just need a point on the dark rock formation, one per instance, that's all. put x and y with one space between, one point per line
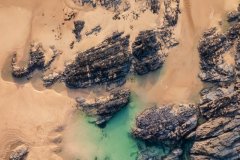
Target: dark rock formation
103 108
105 64
234 16
36 61
19 153
212 47
219 136
78 27
171 12
145 52
166 123
219 102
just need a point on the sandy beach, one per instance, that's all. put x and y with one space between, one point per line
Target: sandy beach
37 116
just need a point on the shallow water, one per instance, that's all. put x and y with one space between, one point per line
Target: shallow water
114 142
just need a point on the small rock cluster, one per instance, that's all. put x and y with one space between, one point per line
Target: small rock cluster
19 153
104 107
36 61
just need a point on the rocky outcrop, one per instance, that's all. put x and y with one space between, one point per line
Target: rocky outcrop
219 136
78 27
36 61
165 123
145 52
104 107
219 102
19 153
104 64
212 47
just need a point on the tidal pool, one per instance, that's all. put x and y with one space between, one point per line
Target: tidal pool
114 142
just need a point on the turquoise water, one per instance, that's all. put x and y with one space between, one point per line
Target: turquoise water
114 142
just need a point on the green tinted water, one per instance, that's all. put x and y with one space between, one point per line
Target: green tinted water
114 142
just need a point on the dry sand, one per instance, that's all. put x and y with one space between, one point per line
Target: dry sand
36 117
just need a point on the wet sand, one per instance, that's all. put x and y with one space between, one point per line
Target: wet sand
36 116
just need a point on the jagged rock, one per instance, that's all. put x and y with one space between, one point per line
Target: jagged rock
19 153
78 27
174 155
36 61
222 101
171 12
219 136
145 52
212 47
165 123
104 107
105 64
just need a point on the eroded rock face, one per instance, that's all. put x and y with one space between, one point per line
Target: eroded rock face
212 47
19 153
145 52
165 123
104 107
104 64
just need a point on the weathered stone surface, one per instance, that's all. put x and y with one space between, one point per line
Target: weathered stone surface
166 123
212 47
78 27
219 102
145 52
36 61
19 153
104 107
104 64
